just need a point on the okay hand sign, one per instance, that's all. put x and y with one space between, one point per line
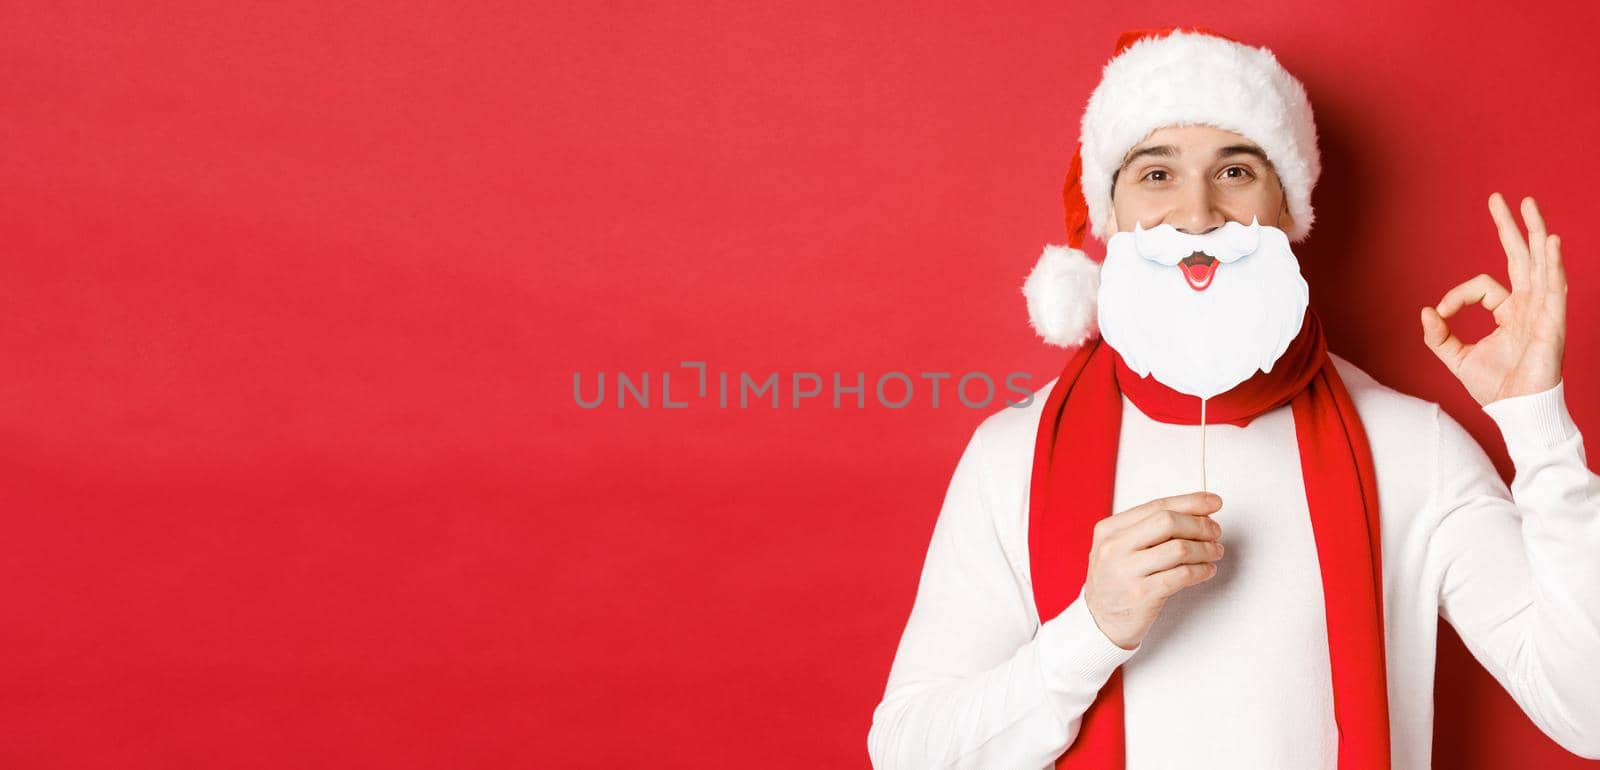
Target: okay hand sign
1523 354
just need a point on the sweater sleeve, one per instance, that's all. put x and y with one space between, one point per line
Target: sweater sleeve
1520 567
977 682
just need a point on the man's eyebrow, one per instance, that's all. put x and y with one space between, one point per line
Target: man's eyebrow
1159 151
1169 151
1243 149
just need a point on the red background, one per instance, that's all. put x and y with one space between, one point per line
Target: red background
293 296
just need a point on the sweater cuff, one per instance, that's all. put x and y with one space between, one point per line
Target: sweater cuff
1536 420
1076 652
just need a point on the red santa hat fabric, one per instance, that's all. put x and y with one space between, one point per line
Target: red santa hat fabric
1158 78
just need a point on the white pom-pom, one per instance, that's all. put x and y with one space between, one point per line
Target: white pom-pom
1061 292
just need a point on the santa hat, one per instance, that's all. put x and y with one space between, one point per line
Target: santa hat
1158 78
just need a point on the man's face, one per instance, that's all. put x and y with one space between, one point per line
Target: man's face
1200 288
1196 178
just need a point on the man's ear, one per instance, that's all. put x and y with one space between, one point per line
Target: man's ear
1113 220
1286 219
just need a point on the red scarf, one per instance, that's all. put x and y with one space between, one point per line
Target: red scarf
1072 488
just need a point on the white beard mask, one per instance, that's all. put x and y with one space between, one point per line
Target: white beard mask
1201 324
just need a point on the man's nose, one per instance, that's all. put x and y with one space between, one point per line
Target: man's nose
1197 214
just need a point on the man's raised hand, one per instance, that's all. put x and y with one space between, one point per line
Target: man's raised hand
1523 354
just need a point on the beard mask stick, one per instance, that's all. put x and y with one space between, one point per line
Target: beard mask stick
1201 313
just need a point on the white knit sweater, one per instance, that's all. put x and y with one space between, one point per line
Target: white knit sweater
1234 673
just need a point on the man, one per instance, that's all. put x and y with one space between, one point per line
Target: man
1083 604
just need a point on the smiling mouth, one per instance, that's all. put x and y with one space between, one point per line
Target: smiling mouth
1198 269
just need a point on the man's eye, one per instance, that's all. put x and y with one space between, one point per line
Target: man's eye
1154 172
1244 172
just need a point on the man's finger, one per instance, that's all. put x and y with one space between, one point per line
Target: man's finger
1184 516
1536 232
1557 288
1193 502
1439 339
1169 582
1163 525
1480 289
1200 503
1170 553
1518 262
